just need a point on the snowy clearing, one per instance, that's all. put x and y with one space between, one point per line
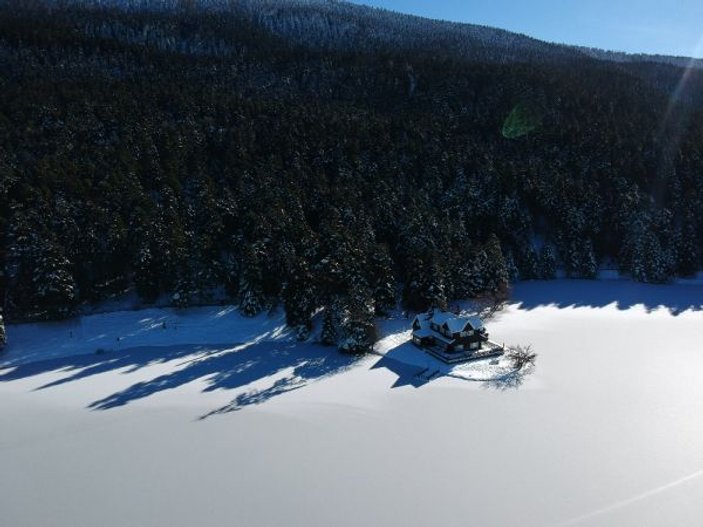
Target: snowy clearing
201 417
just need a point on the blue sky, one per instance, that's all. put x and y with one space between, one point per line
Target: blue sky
672 27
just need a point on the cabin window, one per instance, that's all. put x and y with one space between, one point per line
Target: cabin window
459 347
474 345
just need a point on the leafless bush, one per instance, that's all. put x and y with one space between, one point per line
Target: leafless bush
522 357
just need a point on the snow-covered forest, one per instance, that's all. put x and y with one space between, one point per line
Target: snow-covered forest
322 155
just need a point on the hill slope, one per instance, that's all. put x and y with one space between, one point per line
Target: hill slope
319 154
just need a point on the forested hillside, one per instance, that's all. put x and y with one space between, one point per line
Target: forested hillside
323 155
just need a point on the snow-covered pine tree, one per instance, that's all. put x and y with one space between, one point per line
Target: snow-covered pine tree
186 288
382 280
588 264
330 319
476 273
643 255
687 249
358 324
3 333
496 274
415 285
435 292
659 265
250 287
230 269
146 279
528 263
55 294
547 263
300 298
511 268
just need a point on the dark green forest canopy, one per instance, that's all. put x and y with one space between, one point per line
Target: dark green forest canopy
197 154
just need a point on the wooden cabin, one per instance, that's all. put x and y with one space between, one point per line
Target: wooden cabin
449 332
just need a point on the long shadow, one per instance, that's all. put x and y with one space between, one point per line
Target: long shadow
509 381
227 367
412 366
624 294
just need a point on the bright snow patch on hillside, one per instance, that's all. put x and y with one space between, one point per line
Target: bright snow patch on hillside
202 417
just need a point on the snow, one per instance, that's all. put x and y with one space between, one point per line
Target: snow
221 420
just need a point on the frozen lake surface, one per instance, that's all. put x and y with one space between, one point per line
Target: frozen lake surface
203 418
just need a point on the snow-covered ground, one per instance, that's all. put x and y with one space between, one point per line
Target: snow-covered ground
201 417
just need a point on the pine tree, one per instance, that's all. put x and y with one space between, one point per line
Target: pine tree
230 268
146 278
3 334
186 289
435 289
382 280
687 251
55 293
358 324
511 268
496 274
252 297
329 326
588 267
529 263
475 274
547 263
300 298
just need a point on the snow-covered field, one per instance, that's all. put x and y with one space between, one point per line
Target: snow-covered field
202 418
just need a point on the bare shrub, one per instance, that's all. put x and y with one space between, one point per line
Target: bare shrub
522 357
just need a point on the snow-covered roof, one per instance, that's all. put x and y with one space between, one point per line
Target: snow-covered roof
423 320
456 323
423 332
475 322
441 317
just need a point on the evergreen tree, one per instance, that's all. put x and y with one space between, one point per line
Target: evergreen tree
547 263
476 274
55 294
358 324
330 319
687 254
529 263
495 272
588 265
382 280
300 299
252 297
146 278
511 268
3 334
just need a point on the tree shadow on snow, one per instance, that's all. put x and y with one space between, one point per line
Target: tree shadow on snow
509 381
625 294
225 367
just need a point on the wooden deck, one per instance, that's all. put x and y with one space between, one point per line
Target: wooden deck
493 350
